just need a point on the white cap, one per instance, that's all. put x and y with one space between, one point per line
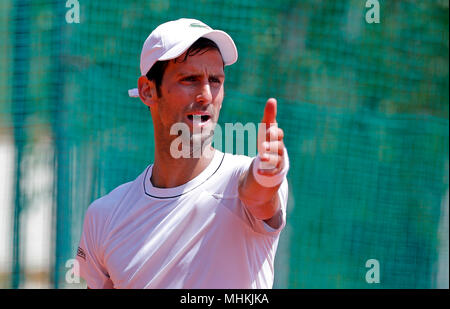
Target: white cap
173 38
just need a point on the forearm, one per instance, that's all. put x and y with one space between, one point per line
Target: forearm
262 202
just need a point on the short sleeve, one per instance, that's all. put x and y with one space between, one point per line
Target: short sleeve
89 254
261 226
257 225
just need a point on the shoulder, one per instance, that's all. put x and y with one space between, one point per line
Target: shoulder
112 197
103 206
106 204
99 213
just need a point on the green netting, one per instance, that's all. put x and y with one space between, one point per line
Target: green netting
364 107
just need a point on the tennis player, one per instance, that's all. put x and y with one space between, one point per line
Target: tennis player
211 221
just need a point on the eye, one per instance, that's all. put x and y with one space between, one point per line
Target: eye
214 80
189 79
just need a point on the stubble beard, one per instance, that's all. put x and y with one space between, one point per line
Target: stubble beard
199 141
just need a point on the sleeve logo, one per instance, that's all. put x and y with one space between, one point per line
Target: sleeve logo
81 254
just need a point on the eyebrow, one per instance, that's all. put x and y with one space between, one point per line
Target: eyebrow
187 74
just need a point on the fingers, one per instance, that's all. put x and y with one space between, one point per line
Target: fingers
271 154
268 135
270 112
274 133
272 165
273 147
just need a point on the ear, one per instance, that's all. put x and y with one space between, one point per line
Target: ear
147 91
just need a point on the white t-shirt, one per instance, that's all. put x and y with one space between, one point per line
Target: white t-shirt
197 235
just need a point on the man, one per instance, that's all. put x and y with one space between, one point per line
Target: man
206 221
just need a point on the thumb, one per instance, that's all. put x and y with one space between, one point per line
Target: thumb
270 112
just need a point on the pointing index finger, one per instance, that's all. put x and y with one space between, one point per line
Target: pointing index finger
270 112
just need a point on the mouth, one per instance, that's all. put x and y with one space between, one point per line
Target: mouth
199 117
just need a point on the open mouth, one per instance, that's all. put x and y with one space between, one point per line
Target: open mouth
198 117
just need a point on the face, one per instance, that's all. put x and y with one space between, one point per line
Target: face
192 92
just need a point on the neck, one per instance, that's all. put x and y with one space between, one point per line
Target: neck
169 172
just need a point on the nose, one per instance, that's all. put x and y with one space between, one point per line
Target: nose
205 95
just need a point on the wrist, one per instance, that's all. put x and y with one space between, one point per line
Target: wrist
270 180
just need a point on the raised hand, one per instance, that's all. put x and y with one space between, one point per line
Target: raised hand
270 141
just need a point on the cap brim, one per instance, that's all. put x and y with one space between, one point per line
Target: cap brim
226 45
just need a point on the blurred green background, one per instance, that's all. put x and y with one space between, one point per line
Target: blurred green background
364 107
